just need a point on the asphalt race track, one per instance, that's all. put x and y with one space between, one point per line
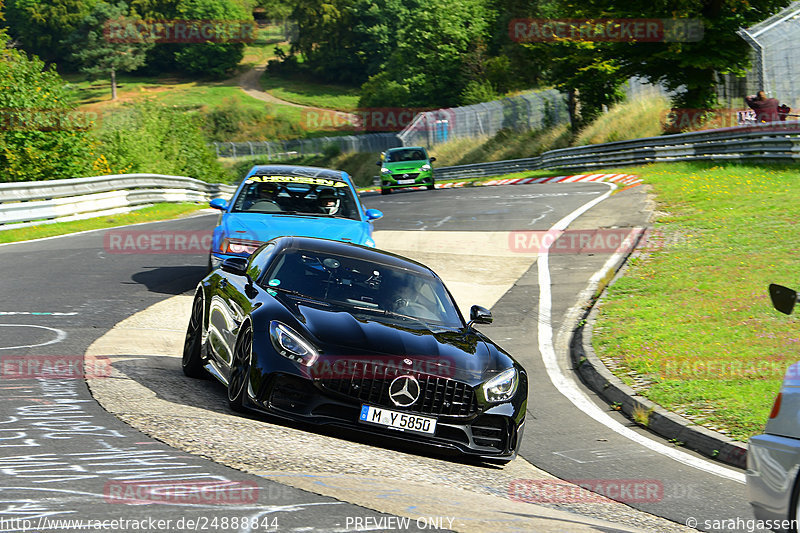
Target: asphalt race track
65 457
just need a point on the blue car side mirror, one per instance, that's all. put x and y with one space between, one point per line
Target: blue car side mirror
373 214
218 203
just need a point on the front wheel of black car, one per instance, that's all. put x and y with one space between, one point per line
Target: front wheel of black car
192 361
237 380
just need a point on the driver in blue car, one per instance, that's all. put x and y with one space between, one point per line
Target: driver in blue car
328 201
267 199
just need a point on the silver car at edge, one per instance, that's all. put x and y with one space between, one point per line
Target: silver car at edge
773 458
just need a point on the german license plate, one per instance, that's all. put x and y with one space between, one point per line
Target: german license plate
395 419
406 182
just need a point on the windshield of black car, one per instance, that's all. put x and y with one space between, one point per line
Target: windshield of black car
414 154
296 196
364 287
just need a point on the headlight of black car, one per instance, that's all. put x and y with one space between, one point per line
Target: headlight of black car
502 387
291 344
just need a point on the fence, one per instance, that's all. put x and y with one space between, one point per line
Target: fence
531 110
22 203
778 142
369 142
776 42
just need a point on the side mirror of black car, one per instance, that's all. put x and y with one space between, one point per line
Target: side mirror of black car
783 298
235 265
479 315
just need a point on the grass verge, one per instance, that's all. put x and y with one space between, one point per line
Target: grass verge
300 91
691 318
154 213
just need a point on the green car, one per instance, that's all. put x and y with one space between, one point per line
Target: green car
409 166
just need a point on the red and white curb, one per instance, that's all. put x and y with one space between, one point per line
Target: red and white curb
629 180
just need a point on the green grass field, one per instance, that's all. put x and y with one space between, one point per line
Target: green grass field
692 314
303 92
148 214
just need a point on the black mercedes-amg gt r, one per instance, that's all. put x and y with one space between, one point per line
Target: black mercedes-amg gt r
334 333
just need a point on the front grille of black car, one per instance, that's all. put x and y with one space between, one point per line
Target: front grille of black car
490 431
369 383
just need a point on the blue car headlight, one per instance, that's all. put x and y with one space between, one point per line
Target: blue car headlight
292 345
502 387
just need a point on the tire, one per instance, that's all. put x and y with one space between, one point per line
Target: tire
386 191
192 360
209 268
794 506
240 367
432 186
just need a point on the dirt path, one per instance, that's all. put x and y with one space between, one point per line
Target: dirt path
249 83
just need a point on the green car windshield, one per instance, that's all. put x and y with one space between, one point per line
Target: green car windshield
410 154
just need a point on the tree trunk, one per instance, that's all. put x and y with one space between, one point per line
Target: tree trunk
701 89
574 109
113 84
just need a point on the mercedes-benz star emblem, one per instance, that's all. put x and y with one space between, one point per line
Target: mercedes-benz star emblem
404 391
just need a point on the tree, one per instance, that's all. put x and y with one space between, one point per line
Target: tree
212 59
42 137
100 55
434 44
39 26
688 66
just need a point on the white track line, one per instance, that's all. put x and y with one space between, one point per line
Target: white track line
567 386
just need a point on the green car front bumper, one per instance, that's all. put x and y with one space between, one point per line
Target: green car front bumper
407 179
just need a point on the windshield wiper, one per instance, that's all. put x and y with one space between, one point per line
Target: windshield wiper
297 294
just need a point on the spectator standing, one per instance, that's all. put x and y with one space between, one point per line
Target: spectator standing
766 108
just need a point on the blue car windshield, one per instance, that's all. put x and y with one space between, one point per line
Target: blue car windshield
275 195
364 287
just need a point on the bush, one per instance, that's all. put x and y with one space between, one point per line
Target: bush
148 137
382 91
223 123
41 136
478 91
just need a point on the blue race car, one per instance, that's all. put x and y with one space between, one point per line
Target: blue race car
287 200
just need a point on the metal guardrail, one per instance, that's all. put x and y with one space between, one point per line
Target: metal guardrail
776 142
41 202
21 203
